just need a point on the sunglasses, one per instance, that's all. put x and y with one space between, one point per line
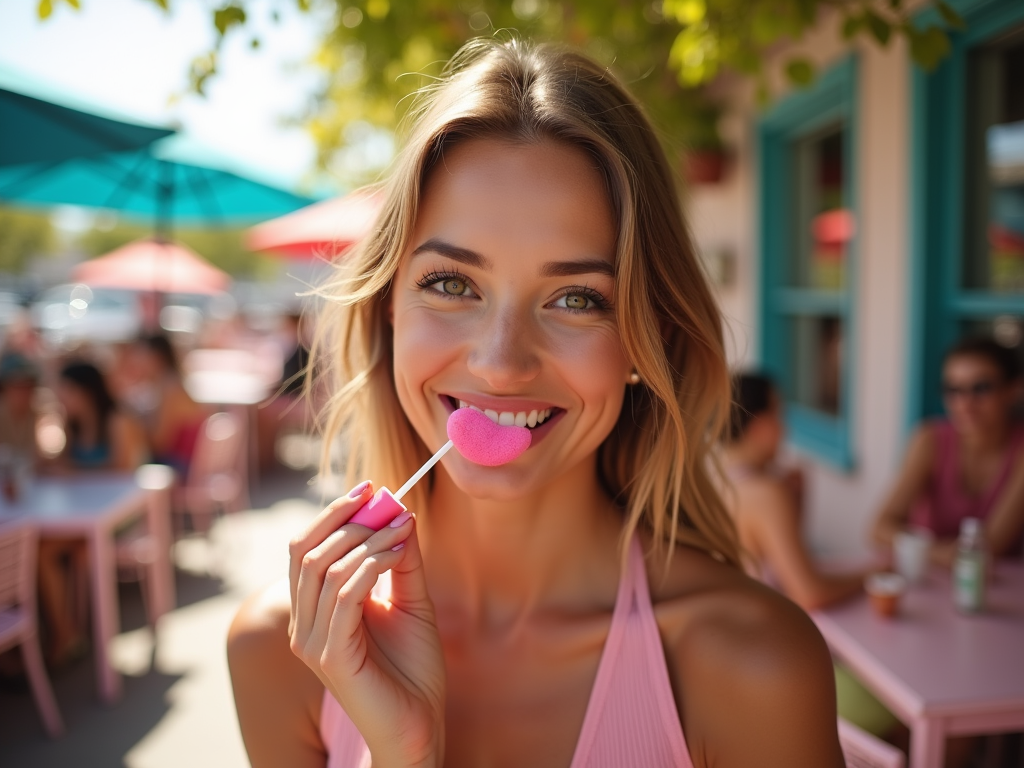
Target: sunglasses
975 390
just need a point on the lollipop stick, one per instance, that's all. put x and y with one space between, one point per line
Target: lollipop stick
422 471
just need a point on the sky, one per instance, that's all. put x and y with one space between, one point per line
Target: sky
134 58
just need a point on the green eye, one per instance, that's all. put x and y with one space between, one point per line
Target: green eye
576 301
453 287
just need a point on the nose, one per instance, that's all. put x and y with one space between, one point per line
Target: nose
504 352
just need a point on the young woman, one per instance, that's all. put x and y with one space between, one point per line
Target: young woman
174 423
530 257
99 437
970 464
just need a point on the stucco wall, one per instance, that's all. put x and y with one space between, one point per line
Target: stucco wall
724 217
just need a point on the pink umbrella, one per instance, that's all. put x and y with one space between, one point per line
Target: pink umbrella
148 265
322 229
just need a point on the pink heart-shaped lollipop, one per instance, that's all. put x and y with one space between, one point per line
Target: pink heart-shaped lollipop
483 442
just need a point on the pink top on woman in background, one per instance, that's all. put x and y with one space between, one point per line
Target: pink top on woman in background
944 502
631 717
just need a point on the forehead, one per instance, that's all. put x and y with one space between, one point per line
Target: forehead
497 196
970 366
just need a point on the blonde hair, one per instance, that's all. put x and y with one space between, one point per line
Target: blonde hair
655 462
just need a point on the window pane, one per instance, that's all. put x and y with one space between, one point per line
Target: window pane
994 252
817 362
823 224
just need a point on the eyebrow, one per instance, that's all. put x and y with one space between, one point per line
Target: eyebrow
550 268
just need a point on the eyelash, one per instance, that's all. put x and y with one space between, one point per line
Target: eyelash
601 304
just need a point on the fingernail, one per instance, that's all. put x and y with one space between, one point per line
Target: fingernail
359 490
397 547
400 520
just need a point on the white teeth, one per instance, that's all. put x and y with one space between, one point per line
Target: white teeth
506 418
476 409
492 415
463 404
521 419
541 415
531 420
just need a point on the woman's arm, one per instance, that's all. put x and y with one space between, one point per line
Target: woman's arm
127 444
1004 525
911 482
277 696
763 678
774 525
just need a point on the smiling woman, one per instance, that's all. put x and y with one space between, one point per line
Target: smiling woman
530 262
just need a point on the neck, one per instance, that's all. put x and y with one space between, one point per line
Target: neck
498 562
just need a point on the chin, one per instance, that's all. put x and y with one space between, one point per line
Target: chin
505 483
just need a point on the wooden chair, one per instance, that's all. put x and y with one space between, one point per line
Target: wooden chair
19 546
862 750
218 476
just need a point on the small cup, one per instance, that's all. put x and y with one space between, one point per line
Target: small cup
910 553
885 591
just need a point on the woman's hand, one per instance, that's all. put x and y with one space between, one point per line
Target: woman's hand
381 661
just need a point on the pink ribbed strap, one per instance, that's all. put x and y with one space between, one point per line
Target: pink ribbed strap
631 717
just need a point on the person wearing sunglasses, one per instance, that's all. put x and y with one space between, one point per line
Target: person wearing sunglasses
970 464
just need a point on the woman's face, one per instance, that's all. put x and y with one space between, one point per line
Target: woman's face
978 400
505 301
73 398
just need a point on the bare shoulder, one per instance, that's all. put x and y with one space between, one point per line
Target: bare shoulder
278 697
744 661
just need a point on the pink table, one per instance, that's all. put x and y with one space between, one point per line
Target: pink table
94 507
942 673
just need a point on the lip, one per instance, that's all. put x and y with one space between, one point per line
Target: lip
508 404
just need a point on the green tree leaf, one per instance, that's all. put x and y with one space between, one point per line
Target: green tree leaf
851 26
929 47
800 72
45 9
950 16
880 28
227 17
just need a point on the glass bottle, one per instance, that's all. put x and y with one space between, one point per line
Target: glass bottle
969 567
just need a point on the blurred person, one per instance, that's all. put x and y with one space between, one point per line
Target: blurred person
19 377
969 464
287 406
585 598
174 423
99 437
764 506
767 517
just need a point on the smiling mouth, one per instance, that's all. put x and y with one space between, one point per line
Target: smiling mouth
529 419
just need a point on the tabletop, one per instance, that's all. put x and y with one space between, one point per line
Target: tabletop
930 660
83 499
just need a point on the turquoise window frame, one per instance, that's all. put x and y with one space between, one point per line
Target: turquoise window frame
937 132
831 99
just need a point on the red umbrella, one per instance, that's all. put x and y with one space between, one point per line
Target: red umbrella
322 229
148 265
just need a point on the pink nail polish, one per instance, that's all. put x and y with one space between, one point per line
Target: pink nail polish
397 547
359 490
400 520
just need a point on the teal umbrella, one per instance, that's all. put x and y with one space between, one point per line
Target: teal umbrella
174 180
40 124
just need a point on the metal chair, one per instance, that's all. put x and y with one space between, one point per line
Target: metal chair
19 546
862 750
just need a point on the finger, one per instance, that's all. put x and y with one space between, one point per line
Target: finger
313 569
328 521
408 579
343 637
340 572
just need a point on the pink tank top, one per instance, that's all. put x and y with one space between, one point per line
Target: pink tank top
945 502
631 717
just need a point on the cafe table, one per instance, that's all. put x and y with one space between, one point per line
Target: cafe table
95 507
942 672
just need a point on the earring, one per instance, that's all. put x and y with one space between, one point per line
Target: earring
634 378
